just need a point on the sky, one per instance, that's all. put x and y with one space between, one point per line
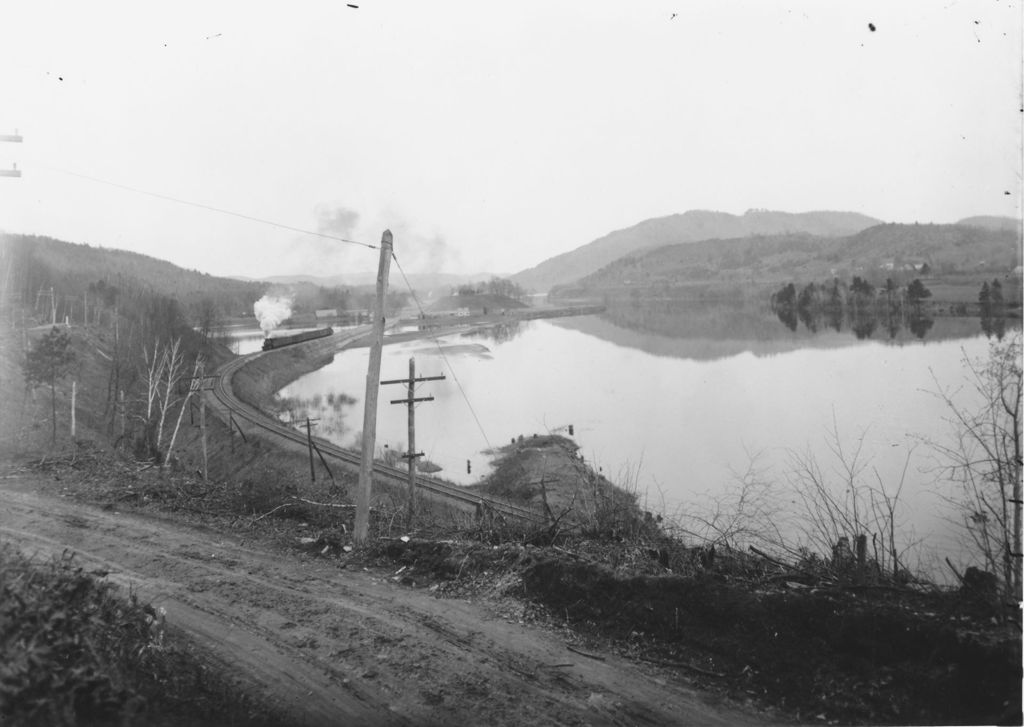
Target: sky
490 136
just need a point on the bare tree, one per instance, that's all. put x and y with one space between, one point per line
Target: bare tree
832 511
748 512
884 506
153 372
842 512
195 384
205 311
171 375
983 458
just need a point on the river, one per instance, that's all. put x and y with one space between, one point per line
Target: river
679 419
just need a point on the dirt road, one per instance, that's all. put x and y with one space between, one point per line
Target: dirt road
335 647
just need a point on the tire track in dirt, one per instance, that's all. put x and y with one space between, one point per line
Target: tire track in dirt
331 646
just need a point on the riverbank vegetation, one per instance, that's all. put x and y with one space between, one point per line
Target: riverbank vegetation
862 307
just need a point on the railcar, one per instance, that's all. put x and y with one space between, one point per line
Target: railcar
269 344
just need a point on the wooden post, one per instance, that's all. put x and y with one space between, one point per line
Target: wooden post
202 421
120 400
862 550
322 460
411 454
309 446
362 519
74 397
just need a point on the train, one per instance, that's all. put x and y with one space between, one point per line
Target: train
269 344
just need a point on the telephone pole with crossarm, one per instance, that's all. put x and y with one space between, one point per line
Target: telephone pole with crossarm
411 400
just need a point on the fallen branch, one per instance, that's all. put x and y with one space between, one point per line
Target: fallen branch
876 587
301 500
271 512
573 649
770 559
328 504
782 564
683 665
567 552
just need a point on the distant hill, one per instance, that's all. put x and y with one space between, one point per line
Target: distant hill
992 223
140 298
945 247
73 266
878 252
689 226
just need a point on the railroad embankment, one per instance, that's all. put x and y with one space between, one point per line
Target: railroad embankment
263 376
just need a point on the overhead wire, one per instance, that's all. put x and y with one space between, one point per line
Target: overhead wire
440 350
302 231
210 208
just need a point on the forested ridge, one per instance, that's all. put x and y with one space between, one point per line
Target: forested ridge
878 253
688 227
91 281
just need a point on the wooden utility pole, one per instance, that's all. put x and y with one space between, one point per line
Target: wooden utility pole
309 445
412 454
202 430
121 408
232 426
362 520
200 386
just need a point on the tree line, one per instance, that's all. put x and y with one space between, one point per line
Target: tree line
859 305
152 320
495 286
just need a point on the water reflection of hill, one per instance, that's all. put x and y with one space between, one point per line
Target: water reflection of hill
707 331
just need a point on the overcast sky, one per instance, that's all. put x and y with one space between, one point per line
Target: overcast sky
491 136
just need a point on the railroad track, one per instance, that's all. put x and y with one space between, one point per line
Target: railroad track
223 394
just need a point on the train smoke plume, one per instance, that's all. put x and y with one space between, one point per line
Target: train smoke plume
271 311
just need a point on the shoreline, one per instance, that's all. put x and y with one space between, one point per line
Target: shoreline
259 380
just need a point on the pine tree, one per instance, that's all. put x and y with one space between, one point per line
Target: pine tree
49 360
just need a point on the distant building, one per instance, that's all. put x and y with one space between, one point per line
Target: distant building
326 313
906 265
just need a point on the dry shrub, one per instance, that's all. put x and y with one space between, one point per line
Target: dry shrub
73 651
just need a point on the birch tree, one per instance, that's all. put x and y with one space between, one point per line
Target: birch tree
153 372
171 371
195 384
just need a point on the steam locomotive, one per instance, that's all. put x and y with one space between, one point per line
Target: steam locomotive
269 344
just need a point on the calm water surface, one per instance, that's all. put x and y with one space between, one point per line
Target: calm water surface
677 419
